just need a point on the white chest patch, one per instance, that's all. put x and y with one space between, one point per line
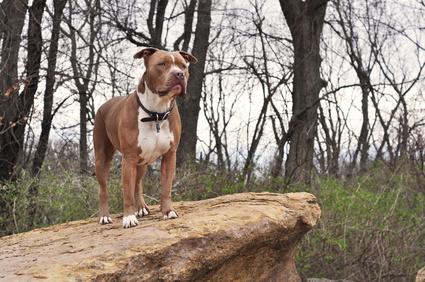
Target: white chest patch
153 143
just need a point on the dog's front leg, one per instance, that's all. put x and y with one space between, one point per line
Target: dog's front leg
141 207
129 173
168 168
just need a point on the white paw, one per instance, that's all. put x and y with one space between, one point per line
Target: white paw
142 212
171 215
105 220
129 221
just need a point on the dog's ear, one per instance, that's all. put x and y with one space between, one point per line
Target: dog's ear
144 53
188 57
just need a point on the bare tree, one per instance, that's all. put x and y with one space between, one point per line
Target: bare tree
46 123
48 114
21 105
84 72
189 108
305 20
10 116
184 39
122 19
219 114
263 64
401 83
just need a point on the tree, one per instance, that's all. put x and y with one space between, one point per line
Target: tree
187 32
10 115
305 20
363 67
83 36
46 123
264 64
154 23
189 108
49 90
20 104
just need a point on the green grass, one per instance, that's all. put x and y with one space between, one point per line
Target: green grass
372 226
369 231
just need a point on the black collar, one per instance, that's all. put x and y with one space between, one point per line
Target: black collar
155 116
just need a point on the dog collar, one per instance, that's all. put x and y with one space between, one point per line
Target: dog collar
155 116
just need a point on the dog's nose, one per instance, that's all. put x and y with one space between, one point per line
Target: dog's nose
179 75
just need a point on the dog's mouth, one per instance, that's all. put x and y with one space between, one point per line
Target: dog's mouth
176 89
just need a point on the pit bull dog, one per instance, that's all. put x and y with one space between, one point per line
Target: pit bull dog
142 126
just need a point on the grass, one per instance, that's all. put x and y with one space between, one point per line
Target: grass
372 226
369 231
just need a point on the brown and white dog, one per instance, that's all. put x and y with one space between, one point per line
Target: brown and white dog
142 126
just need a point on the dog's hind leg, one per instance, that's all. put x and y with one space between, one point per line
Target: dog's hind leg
141 207
104 152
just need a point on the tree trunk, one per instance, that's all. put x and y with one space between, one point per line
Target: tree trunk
189 108
404 124
159 22
83 132
24 102
35 44
48 92
9 113
83 78
187 33
363 145
305 20
157 9
276 169
2 16
47 111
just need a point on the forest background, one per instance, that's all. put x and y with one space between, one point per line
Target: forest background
290 95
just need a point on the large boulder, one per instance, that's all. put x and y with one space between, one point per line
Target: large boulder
241 237
420 276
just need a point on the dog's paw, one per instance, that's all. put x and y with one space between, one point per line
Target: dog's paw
105 220
142 212
129 221
170 215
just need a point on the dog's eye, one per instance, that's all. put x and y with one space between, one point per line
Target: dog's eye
162 64
183 66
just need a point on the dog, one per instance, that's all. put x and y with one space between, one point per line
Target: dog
143 127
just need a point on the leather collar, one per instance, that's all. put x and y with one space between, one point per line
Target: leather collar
155 116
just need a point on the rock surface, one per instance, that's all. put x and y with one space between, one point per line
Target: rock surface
326 280
420 276
241 237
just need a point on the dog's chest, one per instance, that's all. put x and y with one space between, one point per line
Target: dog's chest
153 143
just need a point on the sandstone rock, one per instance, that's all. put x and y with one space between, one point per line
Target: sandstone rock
420 277
326 280
241 237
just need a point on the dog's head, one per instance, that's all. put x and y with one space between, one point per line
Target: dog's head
166 72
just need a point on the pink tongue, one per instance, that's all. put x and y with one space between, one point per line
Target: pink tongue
176 88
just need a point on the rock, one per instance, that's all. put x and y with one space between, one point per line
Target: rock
326 280
241 237
420 277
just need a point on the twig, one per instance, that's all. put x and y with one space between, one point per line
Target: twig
14 215
150 197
